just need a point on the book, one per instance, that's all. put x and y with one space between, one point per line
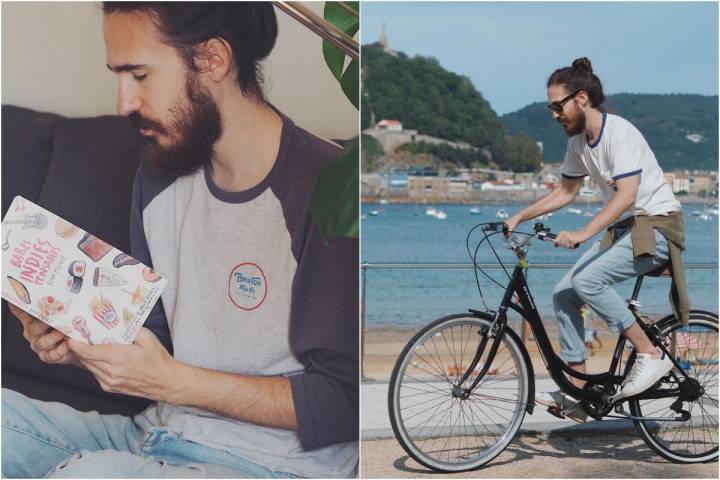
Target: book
71 279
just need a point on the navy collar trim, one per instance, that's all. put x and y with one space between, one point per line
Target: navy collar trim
602 128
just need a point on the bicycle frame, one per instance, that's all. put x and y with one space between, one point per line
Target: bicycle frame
555 365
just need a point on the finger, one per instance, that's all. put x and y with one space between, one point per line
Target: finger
94 353
145 337
54 355
21 315
36 328
47 341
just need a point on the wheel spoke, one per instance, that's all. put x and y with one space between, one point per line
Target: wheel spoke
440 428
696 438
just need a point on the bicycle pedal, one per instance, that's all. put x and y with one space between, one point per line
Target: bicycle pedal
615 398
556 412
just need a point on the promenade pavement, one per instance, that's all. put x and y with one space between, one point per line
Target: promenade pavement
375 420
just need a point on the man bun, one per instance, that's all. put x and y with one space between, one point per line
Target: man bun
582 63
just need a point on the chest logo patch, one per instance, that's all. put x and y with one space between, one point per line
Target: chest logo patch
247 286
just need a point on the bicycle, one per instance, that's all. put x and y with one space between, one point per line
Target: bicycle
462 385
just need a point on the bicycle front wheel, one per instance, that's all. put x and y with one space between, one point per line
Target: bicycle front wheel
695 439
435 426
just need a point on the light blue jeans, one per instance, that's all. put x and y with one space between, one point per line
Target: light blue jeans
53 440
590 281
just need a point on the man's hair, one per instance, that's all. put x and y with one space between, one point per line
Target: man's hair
580 76
250 28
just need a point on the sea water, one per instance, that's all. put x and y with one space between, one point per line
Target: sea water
405 298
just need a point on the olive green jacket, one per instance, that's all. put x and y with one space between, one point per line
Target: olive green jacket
672 227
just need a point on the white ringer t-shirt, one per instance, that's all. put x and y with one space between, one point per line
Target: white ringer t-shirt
621 151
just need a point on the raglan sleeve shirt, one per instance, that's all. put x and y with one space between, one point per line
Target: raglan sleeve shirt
572 166
324 338
625 159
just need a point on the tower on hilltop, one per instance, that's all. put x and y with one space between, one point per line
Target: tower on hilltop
384 42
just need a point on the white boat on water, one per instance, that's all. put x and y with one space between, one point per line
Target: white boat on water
501 214
440 215
383 201
475 211
374 213
713 210
696 213
705 217
431 211
543 217
573 211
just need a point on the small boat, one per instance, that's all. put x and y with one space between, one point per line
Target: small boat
383 201
589 213
374 213
573 211
431 211
363 217
475 211
543 217
696 213
441 215
705 217
713 210
501 214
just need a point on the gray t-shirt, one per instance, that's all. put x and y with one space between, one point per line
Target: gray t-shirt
254 289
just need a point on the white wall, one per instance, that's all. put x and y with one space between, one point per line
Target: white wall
53 60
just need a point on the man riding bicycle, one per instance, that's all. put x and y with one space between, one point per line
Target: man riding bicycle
643 219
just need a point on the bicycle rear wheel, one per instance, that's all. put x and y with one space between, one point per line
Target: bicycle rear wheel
443 431
696 439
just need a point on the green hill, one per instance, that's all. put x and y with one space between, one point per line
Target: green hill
664 120
426 97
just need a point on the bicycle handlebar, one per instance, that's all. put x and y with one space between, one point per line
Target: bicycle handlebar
539 229
543 233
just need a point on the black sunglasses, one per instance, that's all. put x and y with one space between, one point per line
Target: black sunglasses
557 107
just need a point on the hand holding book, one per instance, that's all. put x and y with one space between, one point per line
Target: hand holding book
49 344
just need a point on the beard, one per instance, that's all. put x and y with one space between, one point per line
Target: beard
574 126
195 127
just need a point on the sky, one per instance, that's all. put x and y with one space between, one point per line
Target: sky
509 49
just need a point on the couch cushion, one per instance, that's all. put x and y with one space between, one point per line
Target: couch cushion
26 140
90 176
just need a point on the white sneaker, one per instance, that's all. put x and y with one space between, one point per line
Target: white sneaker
562 404
645 373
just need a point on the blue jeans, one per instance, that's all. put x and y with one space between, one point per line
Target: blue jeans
53 440
589 281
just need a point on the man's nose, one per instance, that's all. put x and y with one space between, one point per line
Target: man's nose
555 115
127 100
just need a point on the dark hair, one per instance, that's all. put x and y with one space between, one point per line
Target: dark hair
580 76
250 28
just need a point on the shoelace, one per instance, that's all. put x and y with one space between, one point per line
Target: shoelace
640 363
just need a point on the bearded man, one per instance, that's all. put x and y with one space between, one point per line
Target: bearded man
643 218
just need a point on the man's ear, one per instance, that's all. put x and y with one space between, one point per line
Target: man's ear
215 58
583 99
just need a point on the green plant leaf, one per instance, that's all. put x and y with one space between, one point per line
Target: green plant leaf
350 82
346 22
335 202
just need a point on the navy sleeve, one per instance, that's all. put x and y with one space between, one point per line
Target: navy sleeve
324 337
156 320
